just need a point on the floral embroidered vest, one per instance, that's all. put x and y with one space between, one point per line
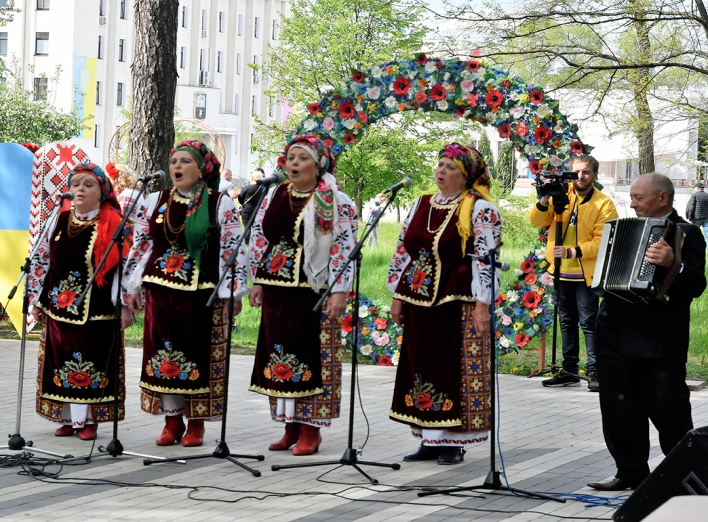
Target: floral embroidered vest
70 268
170 263
281 264
437 272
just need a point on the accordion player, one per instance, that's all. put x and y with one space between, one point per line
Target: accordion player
621 268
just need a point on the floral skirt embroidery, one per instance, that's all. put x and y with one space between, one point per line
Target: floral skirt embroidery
74 367
439 342
299 354
184 351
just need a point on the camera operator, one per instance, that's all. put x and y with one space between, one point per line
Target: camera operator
584 215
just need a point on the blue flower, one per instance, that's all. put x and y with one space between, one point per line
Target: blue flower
436 407
387 79
278 348
76 355
457 67
94 385
546 320
77 274
183 376
65 384
158 374
508 331
295 378
336 148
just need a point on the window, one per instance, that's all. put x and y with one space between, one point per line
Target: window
42 5
182 57
3 43
236 142
255 71
123 10
240 25
238 63
202 59
253 136
254 104
119 95
121 50
40 88
218 61
204 19
184 16
256 28
221 22
237 104
101 8
100 47
96 138
98 93
42 43
275 30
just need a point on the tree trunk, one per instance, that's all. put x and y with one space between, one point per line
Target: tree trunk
640 81
357 200
154 70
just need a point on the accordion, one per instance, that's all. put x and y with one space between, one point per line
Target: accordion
621 269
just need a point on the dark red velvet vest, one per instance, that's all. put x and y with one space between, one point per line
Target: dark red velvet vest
70 268
438 271
170 263
281 264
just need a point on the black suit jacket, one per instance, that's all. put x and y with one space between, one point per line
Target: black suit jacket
656 330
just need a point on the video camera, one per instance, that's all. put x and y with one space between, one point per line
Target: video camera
557 187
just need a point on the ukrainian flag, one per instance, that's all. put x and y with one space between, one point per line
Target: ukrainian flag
16 164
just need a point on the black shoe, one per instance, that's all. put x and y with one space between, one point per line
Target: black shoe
593 382
451 455
616 484
424 453
562 379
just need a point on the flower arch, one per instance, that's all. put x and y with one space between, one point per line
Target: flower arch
471 89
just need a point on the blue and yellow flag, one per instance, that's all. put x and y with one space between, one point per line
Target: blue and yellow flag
15 193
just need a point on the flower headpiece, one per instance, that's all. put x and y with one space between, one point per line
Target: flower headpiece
208 163
320 150
111 171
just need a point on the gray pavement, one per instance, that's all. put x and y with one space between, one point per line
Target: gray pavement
551 441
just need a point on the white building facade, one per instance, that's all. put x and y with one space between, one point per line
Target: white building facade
91 41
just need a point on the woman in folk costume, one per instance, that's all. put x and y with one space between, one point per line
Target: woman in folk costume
74 380
182 238
124 179
303 232
441 297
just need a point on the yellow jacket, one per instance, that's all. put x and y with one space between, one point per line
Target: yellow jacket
593 212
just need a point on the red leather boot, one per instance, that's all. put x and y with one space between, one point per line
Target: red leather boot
65 431
292 433
195 433
88 432
172 432
309 441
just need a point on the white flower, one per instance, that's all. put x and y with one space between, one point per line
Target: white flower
512 295
358 107
504 342
481 72
543 111
447 76
344 339
517 111
391 102
363 311
518 272
366 349
556 161
376 72
394 360
349 124
309 125
558 129
374 92
430 67
442 105
535 327
514 96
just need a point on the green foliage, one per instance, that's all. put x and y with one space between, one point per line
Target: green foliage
7 13
506 167
517 232
485 149
25 120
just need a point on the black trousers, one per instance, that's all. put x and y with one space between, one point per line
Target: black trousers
633 392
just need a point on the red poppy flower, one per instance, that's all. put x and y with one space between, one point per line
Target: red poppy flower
170 369
402 85
504 130
349 139
281 161
438 92
418 279
536 96
473 65
542 134
421 97
282 371
347 323
277 262
421 58
346 110
314 108
385 360
522 340
506 84
65 298
522 129
173 263
527 266
532 300
362 116
460 111
380 323
499 300
424 401
328 142
517 286
493 99
530 279
358 76
80 379
576 147
535 167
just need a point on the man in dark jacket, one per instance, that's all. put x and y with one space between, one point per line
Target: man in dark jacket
642 348
697 208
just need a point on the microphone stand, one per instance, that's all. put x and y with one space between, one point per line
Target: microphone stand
222 450
349 458
16 441
493 479
114 447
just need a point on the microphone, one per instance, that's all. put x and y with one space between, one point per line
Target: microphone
404 183
69 196
276 177
157 175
